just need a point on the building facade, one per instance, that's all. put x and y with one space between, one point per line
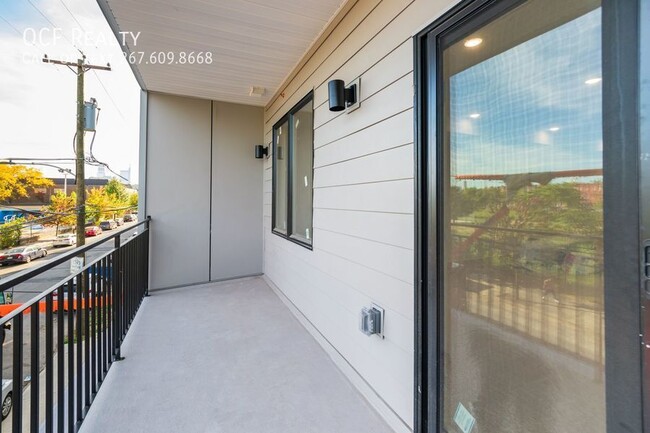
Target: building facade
479 183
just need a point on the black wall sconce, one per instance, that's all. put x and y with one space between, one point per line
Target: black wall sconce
261 151
344 98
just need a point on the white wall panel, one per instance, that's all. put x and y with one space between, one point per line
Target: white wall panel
236 191
178 189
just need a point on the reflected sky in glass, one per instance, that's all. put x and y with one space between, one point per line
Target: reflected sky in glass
544 116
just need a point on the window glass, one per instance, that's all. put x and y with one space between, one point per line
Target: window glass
281 167
523 223
302 168
293 160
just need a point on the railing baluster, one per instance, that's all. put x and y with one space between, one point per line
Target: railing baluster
35 371
78 312
97 271
17 417
71 337
49 367
86 342
99 311
60 363
117 300
104 319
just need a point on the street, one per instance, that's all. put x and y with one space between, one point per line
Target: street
27 290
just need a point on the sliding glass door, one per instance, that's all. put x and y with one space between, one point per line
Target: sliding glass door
518 160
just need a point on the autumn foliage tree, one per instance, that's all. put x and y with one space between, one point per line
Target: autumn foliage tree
62 209
17 181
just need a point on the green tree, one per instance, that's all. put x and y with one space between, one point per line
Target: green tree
116 191
18 180
10 233
555 207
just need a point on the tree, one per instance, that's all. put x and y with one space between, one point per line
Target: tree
116 191
18 180
62 209
98 204
133 202
10 233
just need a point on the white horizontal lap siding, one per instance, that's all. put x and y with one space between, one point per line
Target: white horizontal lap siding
363 201
326 296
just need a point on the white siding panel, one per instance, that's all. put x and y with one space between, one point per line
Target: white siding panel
389 69
392 132
363 195
391 229
363 22
392 368
390 164
392 100
394 196
393 261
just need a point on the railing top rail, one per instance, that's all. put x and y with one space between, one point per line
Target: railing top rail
42 295
25 275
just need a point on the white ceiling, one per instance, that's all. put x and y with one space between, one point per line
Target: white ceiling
253 42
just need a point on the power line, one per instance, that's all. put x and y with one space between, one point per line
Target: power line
39 159
12 26
94 72
97 163
72 15
110 97
53 25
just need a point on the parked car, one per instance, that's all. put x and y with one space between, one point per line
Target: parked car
108 225
4 259
130 218
119 221
93 231
22 255
7 402
65 240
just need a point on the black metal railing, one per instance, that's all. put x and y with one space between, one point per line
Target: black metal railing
86 316
545 286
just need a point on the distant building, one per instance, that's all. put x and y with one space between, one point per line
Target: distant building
126 175
101 172
40 197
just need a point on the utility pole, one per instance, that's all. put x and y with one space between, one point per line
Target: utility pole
81 68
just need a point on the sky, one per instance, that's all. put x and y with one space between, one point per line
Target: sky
38 100
530 109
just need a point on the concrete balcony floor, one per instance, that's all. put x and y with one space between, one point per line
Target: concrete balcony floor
225 357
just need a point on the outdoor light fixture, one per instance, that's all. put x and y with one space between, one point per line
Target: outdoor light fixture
261 151
344 98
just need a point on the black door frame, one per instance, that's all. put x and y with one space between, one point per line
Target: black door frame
622 234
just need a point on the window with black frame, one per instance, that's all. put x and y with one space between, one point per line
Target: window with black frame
293 166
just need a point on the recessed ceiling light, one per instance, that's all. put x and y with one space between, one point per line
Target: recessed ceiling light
593 81
475 115
474 42
554 128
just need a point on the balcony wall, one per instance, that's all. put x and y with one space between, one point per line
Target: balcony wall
203 188
363 198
